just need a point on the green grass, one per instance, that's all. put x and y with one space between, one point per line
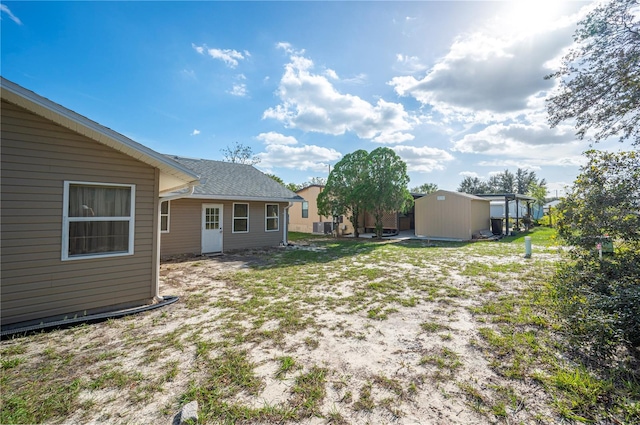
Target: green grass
287 364
278 304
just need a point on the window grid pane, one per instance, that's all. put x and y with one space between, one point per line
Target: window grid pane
240 218
95 237
272 224
98 220
212 218
272 216
240 225
99 201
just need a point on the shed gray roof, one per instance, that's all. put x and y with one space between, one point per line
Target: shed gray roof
448 192
237 182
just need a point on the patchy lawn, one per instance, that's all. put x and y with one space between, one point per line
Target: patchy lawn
334 331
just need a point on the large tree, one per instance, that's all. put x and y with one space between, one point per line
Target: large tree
314 181
387 185
345 190
425 188
473 186
239 154
599 79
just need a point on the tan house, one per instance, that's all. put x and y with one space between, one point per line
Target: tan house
80 212
451 215
235 207
304 216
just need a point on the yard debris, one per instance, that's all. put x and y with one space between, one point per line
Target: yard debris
189 413
486 235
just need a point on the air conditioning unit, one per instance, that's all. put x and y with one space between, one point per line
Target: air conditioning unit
323 227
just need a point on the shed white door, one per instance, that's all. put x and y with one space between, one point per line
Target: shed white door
211 228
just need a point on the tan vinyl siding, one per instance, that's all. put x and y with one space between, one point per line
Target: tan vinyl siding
305 225
458 216
185 235
37 157
480 212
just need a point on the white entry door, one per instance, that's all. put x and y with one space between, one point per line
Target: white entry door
211 228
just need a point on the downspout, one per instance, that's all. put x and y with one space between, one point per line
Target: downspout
192 188
285 242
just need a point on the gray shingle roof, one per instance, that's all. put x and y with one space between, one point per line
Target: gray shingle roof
226 180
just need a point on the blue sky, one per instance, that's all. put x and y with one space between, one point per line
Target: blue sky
456 88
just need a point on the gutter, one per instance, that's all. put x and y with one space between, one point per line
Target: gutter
192 187
285 242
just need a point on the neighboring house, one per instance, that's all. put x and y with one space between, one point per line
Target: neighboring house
80 212
519 210
304 216
451 215
235 207
519 206
550 205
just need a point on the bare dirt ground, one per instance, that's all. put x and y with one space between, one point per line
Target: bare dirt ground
410 359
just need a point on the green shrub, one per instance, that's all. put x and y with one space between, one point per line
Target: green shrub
601 297
601 303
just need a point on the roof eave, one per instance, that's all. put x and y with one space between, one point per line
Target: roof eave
48 109
246 198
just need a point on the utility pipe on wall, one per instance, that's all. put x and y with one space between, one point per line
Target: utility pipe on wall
285 236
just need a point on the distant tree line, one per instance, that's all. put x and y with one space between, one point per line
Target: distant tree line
523 182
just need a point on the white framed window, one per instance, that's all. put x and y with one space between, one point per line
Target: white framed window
98 220
305 209
240 218
165 207
272 218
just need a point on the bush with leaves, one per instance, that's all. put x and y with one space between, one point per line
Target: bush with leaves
601 296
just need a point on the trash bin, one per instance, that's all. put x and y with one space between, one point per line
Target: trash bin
496 226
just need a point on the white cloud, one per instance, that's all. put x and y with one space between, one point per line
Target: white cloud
357 79
195 132
524 145
514 138
310 102
309 157
393 138
509 163
423 159
330 73
288 48
487 74
14 18
471 174
559 188
188 73
409 64
273 138
229 56
239 90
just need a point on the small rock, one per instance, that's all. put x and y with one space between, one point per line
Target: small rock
189 414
